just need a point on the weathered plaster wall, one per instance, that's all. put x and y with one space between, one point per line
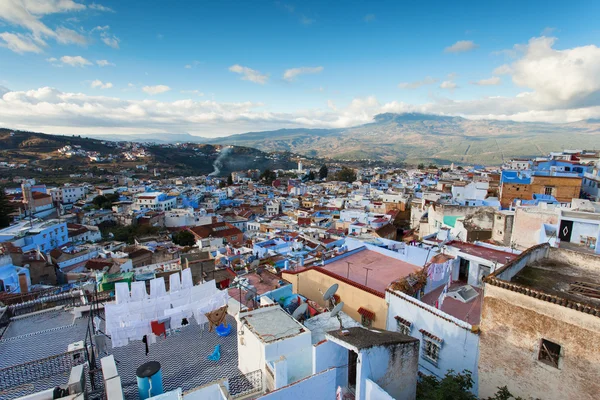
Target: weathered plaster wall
528 222
512 327
460 349
393 368
327 354
316 387
374 392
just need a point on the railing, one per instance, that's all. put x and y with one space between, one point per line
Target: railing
244 385
43 303
39 369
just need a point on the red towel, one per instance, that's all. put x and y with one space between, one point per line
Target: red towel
158 328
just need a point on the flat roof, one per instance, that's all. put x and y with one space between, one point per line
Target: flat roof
469 312
501 257
559 278
383 269
272 324
364 338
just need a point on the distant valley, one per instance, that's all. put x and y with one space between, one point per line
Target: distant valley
413 138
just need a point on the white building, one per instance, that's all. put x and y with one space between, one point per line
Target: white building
156 201
68 194
180 217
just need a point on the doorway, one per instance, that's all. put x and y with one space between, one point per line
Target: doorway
352 362
463 270
566 228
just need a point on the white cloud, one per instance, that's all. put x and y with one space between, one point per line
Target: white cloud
98 84
19 43
152 90
494 80
291 74
75 61
196 92
428 80
187 66
448 85
503 70
100 7
547 31
28 14
249 74
104 63
369 18
461 46
111 41
306 20
69 36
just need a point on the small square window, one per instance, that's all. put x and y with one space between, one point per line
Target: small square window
549 353
403 327
431 350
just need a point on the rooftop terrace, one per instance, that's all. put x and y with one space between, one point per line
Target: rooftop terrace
382 269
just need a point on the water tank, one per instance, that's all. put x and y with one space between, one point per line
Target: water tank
149 380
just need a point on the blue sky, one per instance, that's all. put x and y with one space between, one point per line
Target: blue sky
215 68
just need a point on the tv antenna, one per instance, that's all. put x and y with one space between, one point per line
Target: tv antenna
367 275
336 312
250 295
300 311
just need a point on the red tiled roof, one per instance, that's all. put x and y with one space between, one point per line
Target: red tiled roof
205 231
403 321
431 335
367 313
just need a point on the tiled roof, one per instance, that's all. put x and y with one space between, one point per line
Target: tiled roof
366 313
403 321
431 336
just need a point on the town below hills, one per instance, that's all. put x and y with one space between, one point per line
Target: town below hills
411 138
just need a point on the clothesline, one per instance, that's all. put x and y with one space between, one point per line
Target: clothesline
130 317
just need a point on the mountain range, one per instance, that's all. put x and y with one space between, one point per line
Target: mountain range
411 138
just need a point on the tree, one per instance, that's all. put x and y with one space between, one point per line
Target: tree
184 238
311 176
105 201
6 208
433 166
454 386
230 180
323 172
421 166
268 176
346 175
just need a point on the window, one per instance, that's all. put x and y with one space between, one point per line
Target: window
431 350
403 326
549 353
233 238
366 321
548 190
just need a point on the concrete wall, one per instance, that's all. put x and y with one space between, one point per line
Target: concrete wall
316 387
308 283
394 368
513 325
528 222
327 354
460 349
374 392
212 391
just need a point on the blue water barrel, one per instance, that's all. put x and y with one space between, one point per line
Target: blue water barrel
149 380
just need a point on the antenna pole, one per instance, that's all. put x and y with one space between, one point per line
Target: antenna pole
367 276
348 274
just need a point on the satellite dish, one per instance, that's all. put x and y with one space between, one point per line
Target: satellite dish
336 310
331 291
254 263
250 296
299 313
